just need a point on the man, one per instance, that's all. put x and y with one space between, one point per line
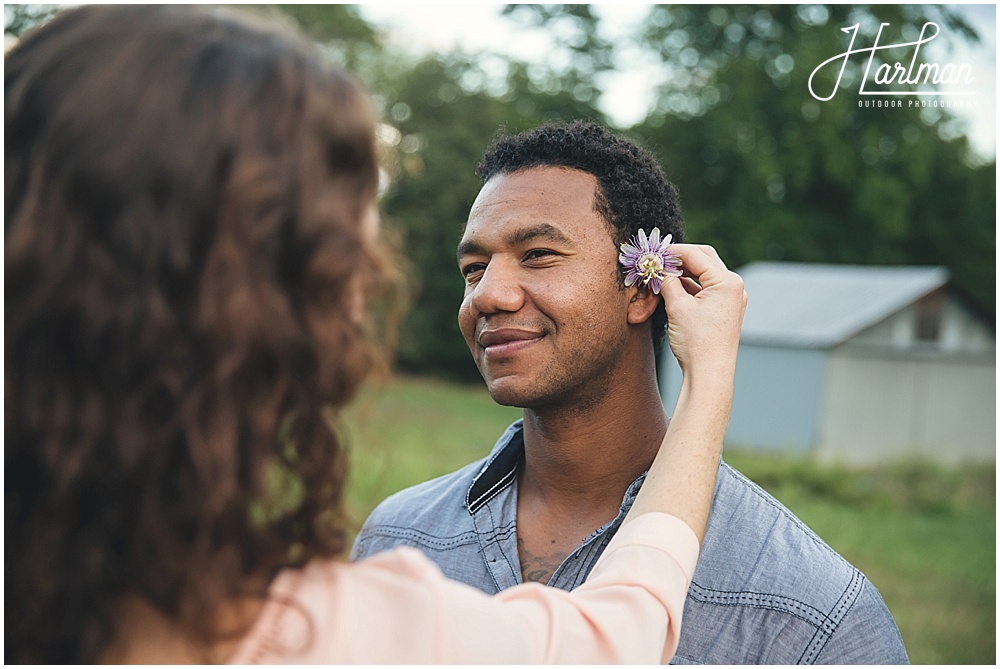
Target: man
554 330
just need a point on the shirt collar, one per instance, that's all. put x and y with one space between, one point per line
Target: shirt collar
500 469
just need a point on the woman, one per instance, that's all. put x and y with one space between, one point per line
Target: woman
190 250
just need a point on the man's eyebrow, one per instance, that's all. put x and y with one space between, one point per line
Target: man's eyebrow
518 236
470 248
542 230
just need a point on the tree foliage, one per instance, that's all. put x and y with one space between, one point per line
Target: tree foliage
768 172
18 19
765 171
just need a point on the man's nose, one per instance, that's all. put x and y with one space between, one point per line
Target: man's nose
497 290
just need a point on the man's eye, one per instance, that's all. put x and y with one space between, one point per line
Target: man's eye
535 254
473 269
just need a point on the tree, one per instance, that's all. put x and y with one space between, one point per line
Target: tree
768 172
764 170
18 19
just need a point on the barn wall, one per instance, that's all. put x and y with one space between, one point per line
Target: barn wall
961 331
879 406
776 399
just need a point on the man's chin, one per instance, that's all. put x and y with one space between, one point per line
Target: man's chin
508 394
510 400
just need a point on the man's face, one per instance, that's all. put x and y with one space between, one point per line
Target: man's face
544 314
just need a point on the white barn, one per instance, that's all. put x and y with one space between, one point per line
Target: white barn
859 364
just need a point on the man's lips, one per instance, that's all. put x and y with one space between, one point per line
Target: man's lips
505 341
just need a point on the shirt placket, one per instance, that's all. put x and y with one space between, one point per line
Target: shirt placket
495 524
576 567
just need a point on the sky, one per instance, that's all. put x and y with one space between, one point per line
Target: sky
478 27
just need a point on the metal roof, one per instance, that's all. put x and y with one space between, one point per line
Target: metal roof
806 305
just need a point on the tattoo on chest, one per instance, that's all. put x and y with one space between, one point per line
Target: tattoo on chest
538 568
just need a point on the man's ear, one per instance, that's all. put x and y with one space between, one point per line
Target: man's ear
641 304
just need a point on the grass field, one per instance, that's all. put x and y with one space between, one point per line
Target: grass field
926 536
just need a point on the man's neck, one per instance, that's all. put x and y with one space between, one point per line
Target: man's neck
578 464
586 459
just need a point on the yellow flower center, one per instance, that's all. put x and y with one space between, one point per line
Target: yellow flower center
649 265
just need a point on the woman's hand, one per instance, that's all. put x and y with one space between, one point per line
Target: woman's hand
705 310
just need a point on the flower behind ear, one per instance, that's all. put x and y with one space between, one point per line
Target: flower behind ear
649 260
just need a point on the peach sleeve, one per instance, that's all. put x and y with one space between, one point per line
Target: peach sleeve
397 608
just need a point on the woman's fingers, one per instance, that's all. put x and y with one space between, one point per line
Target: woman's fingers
705 308
678 288
700 262
704 268
690 285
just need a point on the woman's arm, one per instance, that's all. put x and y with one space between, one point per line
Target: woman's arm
398 608
705 313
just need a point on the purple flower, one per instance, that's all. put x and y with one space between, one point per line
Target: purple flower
649 260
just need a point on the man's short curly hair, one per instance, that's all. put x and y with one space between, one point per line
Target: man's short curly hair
632 191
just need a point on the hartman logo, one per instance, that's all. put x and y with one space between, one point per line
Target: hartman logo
891 76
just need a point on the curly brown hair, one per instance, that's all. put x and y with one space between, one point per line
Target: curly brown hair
185 262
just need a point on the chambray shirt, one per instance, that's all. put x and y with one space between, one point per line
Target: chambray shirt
766 590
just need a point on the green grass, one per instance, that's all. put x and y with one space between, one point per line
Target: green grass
411 430
924 535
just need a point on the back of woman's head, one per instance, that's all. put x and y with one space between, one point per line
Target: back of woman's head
184 252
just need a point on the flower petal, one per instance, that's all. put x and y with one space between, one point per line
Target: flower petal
654 239
631 250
